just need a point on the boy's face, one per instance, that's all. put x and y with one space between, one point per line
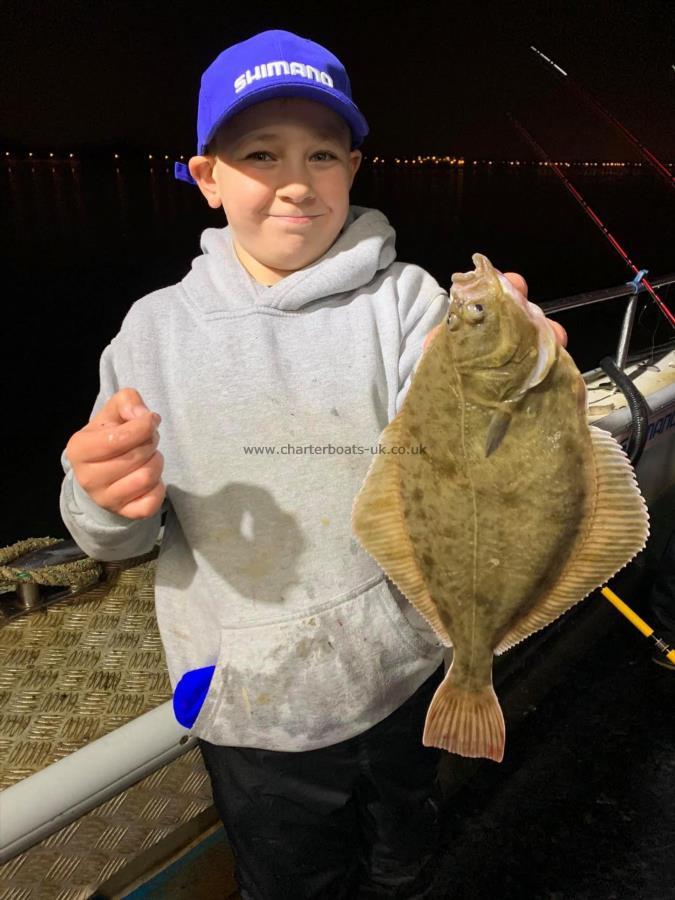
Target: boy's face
282 174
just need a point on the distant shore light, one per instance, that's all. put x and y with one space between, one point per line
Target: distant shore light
420 160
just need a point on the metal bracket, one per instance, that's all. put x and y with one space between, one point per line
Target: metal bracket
628 319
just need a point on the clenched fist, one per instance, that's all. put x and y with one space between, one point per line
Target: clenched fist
115 457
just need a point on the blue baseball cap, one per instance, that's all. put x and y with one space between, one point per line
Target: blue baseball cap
271 64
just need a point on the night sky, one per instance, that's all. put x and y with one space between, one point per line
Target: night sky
429 77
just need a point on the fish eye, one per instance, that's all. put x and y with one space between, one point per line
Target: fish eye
474 312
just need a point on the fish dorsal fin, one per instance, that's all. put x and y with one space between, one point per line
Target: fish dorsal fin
616 532
379 524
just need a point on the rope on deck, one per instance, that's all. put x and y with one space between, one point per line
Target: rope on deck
78 574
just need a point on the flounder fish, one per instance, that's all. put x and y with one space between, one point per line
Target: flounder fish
512 509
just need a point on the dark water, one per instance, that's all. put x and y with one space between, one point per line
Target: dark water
82 243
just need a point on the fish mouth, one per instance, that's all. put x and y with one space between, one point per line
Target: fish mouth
468 287
483 268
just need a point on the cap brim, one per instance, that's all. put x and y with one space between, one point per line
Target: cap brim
310 91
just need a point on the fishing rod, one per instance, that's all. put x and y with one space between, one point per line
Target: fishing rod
656 163
595 218
639 623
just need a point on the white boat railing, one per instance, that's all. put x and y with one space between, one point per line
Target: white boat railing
629 289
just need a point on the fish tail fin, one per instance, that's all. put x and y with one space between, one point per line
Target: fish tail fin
470 723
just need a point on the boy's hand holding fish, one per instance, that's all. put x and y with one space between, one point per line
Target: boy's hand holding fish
115 457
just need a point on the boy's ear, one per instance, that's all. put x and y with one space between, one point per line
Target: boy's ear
355 159
201 169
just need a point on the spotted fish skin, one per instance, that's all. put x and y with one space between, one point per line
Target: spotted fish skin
487 543
483 529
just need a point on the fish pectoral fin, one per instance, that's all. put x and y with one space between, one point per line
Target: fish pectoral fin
379 525
497 429
617 531
470 723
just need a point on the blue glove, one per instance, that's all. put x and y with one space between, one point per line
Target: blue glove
190 693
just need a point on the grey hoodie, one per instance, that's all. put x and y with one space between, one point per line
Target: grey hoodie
258 572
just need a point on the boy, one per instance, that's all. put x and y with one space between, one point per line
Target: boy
276 363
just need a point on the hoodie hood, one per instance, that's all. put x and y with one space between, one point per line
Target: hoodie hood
218 282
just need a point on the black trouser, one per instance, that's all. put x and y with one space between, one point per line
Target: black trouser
358 819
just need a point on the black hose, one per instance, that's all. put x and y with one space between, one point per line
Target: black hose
639 408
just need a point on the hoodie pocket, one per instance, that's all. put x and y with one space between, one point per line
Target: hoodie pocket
412 626
309 682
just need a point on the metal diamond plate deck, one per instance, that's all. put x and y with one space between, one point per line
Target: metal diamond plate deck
73 862
69 674
78 669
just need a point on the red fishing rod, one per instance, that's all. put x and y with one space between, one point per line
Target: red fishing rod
660 167
596 219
